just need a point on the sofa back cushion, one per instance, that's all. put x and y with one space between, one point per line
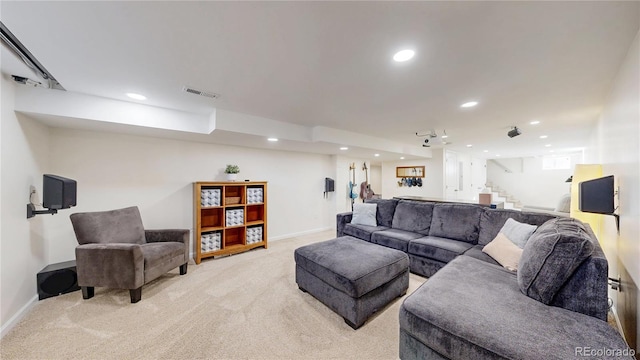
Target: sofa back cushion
114 226
492 220
386 209
413 216
550 257
456 221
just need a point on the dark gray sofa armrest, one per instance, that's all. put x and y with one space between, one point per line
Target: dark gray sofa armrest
342 219
177 235
116 265
586 291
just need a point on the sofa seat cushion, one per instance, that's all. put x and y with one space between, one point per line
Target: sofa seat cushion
362 231
394 238
456 221
413 216
339 263
476 252
492 221
437 248
474 310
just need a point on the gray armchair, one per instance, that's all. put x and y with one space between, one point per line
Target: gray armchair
115 251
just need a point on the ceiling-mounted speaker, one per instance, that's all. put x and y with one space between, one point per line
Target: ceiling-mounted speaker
514 132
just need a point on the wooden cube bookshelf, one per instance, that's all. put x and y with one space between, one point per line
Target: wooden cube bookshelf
222 213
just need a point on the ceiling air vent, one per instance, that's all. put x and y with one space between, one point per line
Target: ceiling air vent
200 92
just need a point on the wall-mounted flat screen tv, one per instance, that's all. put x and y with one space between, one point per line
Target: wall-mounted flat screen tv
596 196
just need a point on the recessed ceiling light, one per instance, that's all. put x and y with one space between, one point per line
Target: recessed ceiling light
535 122
445 136
272 139
469 145
551 151
469 104
485 151
344 148
497 155
543 136
136 96
403 55
376 155
401 157
548 145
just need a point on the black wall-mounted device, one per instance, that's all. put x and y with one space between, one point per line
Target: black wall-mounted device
57 193
329 186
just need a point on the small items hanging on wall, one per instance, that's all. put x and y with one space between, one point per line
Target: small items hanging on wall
410 181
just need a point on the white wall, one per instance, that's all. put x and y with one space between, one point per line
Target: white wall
23 246
467 192
529 183
375 177
617 140
157 175
432 183
343 177
116 170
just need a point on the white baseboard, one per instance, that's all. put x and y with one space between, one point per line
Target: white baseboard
192 255
302 233
615 316
18 316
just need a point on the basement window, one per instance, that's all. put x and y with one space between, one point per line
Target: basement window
556 163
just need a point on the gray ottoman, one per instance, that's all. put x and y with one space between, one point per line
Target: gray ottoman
351 276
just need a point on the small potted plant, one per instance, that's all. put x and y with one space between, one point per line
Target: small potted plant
232 172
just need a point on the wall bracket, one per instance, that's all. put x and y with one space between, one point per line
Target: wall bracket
31 211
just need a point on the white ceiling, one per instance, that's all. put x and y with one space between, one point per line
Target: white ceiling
328 64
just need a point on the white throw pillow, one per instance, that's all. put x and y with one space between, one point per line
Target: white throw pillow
564 205
364 214
517 232
504 251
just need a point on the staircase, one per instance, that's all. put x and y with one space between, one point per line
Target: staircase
499 195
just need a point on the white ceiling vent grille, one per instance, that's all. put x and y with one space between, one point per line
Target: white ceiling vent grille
200 92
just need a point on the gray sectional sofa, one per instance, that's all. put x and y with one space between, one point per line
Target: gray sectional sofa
471 307
434 233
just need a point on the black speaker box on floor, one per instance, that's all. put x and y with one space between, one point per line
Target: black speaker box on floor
56 279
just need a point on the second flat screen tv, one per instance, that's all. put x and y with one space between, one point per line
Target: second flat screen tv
596 196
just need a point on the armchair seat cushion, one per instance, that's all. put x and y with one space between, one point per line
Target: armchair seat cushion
157 253
158 257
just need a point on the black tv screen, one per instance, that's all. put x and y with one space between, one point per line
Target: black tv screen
58 192
596 196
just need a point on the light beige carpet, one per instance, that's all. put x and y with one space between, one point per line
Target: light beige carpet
245 306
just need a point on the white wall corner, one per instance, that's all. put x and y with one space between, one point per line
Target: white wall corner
212 122
337 136
259 126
